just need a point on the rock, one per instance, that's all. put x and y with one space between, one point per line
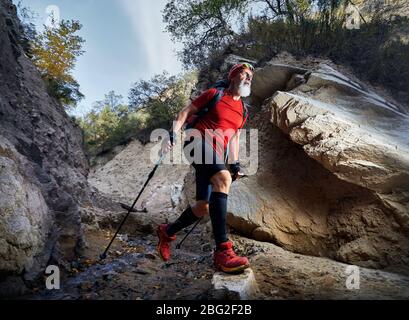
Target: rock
360 250
85 286
108 276
176 191
282 274
273 77
244 284
150 256
363 147
207 247
43 168
123 237
127 177
142 271
25 218
333 175
12 287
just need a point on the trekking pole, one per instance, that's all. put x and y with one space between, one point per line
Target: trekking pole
104 254
180 243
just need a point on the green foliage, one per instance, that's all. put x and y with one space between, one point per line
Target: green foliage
162 97
378 51
154 103
107 125
207 26
202 26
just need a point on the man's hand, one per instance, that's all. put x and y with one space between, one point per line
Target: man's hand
235 170
238 176
169 142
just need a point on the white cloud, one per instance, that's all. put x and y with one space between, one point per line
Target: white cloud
146 19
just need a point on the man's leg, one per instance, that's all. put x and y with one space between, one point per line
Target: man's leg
200 208
221 182
188 217
224 256
166 233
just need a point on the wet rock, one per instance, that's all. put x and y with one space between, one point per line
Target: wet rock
206 247
150 256
12 287
86 286
108 276
142 271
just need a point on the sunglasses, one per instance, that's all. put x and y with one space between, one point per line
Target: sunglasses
247 66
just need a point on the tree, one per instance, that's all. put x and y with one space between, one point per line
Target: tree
143 92
156 103
54 52
114 103
202 26
206 27
162 97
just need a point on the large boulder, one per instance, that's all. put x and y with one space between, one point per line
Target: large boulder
333 177
25 220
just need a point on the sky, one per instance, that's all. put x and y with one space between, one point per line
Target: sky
125 42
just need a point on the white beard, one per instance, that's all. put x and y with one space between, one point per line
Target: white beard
244 89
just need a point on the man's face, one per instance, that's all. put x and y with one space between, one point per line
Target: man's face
246 76
243 82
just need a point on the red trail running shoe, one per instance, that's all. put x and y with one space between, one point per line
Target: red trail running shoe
163 246
226 260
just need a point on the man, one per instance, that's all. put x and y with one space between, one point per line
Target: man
219 133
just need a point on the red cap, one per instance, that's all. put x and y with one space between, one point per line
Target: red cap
237 68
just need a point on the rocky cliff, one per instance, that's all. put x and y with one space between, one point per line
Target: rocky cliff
333 178
43 169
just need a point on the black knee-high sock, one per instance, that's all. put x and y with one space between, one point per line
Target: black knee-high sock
218 215
186 219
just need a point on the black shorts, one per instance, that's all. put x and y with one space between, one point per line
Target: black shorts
205 169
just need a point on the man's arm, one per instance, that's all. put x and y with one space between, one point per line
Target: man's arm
180 120
234 148
183 115
234 156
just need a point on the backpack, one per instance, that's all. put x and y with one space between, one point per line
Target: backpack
220 86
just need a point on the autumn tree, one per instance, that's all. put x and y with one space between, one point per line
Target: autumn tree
54 51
